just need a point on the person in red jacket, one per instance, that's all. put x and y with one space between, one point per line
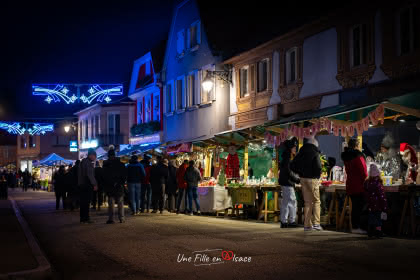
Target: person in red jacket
355 164
146 188
182 186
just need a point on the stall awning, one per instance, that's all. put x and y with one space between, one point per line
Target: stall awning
138 149
54 159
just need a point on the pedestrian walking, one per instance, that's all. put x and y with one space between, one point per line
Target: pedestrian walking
74 191
376 201
59 181
355 165
158 179
182 187
87 184
3 185
307 164
135 174
26 178
171 186
287 181
114 183
192 177
146 187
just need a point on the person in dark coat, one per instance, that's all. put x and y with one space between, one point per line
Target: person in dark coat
355 164
86 184
171 186
3 185
26 180
74 193
135 174
114 183
192 177
146 188
98 196
307 164
287 181
158 178
60 187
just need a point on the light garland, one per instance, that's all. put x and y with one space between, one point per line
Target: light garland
70 93
31 128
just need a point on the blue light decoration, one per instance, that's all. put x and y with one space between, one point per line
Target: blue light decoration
71 93
31 128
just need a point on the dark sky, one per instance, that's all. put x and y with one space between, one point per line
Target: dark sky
72 42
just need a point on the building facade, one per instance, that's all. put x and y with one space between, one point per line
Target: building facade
190 112
101 125
147 92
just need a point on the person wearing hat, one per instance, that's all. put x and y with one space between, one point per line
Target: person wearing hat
87 184
135 174
158 178
146 188
114 173
287 181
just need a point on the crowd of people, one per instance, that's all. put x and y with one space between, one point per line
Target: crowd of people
12 179
304 167
143 185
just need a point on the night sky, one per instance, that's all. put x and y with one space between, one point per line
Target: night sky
72 42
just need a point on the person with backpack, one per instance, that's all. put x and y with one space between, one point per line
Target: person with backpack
307 164
114 183
135 174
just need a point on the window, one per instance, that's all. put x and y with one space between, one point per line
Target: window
180 103
180 42
148 108
291 63
191 90
156 107
194 35
23 142
408 30
114 124
243 77
140 110
169 107
96 125
262 69
31 141
252 74
358 45
86 129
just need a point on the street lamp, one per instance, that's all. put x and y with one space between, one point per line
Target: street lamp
67 128
224 75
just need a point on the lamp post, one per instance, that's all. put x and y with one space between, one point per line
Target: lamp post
224 75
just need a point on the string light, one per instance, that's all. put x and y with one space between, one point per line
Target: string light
31 128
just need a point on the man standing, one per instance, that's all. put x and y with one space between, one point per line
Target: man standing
60 188
307 164
87 183
74 192
182 186
114 180
146 188
171 186
192 177
135 174
158 178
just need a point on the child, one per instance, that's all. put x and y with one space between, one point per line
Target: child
376 201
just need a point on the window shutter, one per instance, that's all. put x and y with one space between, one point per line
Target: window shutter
213 91
189 38
197 85
180 42
173 99
198 33
165 100
184 92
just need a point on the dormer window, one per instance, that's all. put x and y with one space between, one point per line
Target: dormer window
194 35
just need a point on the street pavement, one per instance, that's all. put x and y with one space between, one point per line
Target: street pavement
158 246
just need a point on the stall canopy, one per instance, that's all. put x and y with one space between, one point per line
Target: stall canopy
137 149
54 159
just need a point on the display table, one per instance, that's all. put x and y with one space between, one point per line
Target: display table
212 199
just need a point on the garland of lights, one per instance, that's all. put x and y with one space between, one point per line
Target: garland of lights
31 128
71 93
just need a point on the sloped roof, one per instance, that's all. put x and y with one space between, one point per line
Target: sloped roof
233 27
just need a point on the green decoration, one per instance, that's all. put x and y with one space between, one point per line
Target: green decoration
145 128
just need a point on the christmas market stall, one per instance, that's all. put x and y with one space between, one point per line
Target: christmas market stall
388 136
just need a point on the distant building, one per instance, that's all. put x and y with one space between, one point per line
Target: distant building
101 125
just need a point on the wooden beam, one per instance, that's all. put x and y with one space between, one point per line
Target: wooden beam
403 109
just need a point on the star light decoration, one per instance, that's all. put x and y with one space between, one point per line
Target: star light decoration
92 92
31 128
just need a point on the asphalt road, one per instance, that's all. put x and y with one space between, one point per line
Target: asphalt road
155 246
